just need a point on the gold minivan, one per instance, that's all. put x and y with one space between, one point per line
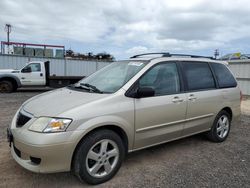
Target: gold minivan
150 99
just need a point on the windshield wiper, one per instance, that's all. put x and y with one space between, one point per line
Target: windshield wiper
86 87
91 87
78 87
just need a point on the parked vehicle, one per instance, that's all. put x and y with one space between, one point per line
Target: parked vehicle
90 126
235 56
36 73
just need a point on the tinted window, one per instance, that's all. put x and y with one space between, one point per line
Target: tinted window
223 75
198 76
163 78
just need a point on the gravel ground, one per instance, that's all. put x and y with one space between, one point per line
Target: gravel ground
189 162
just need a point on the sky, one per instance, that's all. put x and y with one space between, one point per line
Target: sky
127 27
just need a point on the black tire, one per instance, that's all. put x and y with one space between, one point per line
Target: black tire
79 165
14 89
213 134
6 87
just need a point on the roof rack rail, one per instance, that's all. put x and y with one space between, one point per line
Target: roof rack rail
167 54
192 56
164 54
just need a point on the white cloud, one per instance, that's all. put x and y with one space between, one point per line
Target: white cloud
129 25
137 50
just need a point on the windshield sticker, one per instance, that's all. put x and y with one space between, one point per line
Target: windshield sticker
135 63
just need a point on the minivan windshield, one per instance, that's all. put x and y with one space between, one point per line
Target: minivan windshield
112 77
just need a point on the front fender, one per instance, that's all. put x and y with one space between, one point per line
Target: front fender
3 76
110 120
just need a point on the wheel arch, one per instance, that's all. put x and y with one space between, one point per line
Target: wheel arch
229 111
115 128
13 79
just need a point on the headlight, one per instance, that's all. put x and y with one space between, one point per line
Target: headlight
47 125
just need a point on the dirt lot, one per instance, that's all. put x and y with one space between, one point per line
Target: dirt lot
190 162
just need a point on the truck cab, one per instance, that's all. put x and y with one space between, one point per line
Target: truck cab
33 74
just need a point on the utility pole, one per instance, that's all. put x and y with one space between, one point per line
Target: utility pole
216 53
8 31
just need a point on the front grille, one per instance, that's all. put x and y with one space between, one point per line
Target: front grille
22 120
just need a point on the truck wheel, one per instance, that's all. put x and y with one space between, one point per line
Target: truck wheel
6 87
220 128
98 157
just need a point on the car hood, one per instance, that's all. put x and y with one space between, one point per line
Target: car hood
6 70
54 103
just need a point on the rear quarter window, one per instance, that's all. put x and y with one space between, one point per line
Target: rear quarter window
224 77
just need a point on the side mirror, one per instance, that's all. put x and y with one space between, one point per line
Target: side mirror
26 69
145 92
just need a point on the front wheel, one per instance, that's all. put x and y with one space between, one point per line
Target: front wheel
6 87
99 157
220 128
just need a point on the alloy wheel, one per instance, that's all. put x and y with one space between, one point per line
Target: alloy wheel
102 158
222 126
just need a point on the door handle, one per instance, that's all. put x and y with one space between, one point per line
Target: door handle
192 97
23 78
177 100
41 74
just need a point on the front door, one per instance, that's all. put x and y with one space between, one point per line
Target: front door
32 74
160 118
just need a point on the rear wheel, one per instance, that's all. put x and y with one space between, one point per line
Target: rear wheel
6 87
99 157
220 128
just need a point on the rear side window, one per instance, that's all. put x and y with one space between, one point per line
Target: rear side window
198 76
223 75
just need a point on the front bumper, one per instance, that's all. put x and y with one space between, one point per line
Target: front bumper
43 152
51 158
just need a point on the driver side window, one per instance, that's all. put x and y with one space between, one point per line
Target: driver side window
34 67
163 78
